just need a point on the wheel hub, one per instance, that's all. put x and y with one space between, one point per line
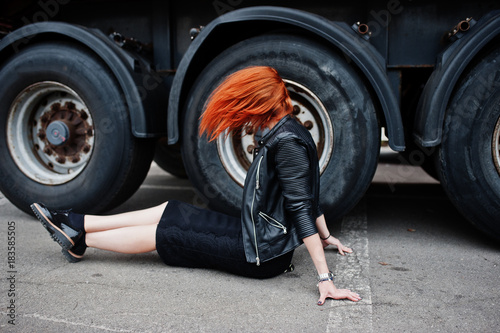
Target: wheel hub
236 151
57 133
50 133
64 132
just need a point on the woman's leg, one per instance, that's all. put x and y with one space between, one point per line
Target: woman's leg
149 216
134 239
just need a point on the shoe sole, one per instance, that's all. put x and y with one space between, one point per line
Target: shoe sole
70 256
57 234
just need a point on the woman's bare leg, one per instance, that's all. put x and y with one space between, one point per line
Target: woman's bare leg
149 216
134 239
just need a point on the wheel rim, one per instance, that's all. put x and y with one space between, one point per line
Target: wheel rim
235 151
50 133
495 146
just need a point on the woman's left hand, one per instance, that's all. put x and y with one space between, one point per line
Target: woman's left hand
334 241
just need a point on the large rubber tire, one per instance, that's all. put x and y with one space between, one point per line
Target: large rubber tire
100 165
469 156
169 158
332 100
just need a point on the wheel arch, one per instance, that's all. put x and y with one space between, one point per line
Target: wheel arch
265 19
450 66
121 63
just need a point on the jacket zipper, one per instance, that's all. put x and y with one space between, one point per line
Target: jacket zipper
257 186
272 221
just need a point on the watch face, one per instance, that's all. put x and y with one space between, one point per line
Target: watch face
328 275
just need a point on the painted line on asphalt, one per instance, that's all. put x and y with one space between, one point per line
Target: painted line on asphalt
67 322
352 272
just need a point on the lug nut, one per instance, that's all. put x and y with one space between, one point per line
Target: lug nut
296 109
47 151
250 149
309 125
81 131
61 160
75 159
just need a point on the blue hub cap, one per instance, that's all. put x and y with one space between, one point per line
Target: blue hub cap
57 133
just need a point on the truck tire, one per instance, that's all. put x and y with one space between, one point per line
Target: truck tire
469 155
66 136
169 158
329 98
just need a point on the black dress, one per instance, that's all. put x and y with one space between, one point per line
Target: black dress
189 236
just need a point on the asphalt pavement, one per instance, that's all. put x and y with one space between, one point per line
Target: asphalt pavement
419 266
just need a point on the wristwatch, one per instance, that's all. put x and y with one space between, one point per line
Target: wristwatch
325 277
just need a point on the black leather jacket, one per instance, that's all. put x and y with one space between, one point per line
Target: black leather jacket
281 193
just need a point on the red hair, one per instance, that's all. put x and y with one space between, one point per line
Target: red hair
250 98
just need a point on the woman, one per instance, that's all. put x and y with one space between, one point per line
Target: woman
280 202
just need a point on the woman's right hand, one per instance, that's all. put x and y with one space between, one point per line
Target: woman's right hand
328 290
